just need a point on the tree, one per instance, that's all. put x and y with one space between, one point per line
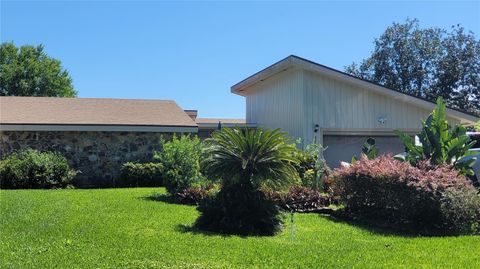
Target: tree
245 160
427 63
29 71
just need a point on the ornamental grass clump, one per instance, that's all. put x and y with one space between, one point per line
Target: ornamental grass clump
416 198
245 160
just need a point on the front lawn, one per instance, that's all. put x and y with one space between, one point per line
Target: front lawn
122 228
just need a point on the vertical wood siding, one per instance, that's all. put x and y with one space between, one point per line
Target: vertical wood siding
278 103
344 106
297 100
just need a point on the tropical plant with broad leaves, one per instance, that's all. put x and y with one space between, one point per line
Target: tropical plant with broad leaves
311 166
246 160
439 143
369 149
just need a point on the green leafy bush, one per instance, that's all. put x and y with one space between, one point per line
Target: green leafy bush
141 175
180 158
440 144
311 166
460 209
417 198
246 160
31 169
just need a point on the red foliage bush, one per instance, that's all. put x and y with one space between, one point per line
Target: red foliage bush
194 195
299 199
397 192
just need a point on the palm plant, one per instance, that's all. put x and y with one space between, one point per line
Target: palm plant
250 156
245 160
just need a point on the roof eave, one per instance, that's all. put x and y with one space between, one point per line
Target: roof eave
293 61
281 66
99 128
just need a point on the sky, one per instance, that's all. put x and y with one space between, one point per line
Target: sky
193 52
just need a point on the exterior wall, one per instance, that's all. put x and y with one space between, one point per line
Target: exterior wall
342 147
278 103
296 100
98 155
204 133
337 105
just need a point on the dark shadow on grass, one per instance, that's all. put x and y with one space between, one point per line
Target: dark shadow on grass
166 198
380 227
194 230
369 226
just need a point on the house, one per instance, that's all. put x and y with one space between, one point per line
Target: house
305 99
96 135
319 104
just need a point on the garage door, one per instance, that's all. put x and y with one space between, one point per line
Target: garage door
343 147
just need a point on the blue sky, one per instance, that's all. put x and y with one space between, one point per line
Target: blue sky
192 52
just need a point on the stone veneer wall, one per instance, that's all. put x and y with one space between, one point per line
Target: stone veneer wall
98 155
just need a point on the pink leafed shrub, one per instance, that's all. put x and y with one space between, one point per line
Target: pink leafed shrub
411 197
195 194
299 199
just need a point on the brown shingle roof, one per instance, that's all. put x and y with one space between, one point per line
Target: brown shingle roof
91 111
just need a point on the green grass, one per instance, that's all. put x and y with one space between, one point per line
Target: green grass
119 228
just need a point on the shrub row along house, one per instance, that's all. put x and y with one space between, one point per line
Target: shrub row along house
308 100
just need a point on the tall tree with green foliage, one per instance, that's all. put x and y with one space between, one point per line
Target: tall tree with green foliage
29 71
426 62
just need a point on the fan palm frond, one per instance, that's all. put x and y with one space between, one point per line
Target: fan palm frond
252 156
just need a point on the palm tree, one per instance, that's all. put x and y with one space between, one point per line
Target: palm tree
244 160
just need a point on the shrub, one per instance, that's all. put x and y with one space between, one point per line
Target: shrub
141 175
309 178
311 167
195 195
180 158
239 209
460 209
299 199
31 169
401 194
245 160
